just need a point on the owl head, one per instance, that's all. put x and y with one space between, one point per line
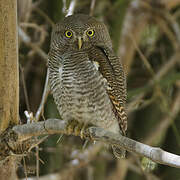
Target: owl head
79 32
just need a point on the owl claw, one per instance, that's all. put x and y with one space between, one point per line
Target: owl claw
82 131
76 128
71 128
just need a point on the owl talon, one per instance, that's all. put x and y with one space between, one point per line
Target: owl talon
83 131
77 130
71 128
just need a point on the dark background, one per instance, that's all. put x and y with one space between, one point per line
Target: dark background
146 36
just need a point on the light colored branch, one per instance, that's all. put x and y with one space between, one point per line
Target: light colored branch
156 134
55 126
44 97
71 8
27 40
44 15
93 2
167 67
134 23
157 77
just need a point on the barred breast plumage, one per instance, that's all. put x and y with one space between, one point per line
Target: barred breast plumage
80 93
86 78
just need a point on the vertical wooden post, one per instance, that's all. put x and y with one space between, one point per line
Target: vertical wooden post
9 75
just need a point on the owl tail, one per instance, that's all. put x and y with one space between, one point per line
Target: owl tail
119 153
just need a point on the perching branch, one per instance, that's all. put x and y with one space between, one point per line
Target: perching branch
55 126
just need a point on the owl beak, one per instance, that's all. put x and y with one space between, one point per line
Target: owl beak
80 42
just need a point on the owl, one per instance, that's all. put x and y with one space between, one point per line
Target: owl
86 77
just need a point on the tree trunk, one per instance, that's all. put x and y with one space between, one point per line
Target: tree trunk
9 78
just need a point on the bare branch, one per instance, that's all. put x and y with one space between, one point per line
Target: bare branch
93 2
71 8
165 122
44 15
134 24
44 97
55 126
167 66
27 40
80 160
24 88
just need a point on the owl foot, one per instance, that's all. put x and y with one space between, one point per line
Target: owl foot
82 131
76 128
72 127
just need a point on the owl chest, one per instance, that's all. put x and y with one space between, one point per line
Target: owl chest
79 84
82 94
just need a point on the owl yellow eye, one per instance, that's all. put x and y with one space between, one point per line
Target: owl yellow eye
68 33
90 33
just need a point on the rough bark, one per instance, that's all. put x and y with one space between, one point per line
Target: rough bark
9 88
9 81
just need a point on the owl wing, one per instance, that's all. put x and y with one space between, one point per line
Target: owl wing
111 69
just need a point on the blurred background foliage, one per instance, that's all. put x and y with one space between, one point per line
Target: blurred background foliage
146 35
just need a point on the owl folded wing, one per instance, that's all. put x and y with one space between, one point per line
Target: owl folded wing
110 67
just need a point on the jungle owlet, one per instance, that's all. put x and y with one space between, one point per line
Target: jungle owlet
86 77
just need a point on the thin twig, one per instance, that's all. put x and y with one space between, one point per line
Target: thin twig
165 122
166 67
133 24
143 57
93 2
34 26
37 162
44 97
25 167
24 88
27 40
44 15
80 160
158 76
64 9
39 29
